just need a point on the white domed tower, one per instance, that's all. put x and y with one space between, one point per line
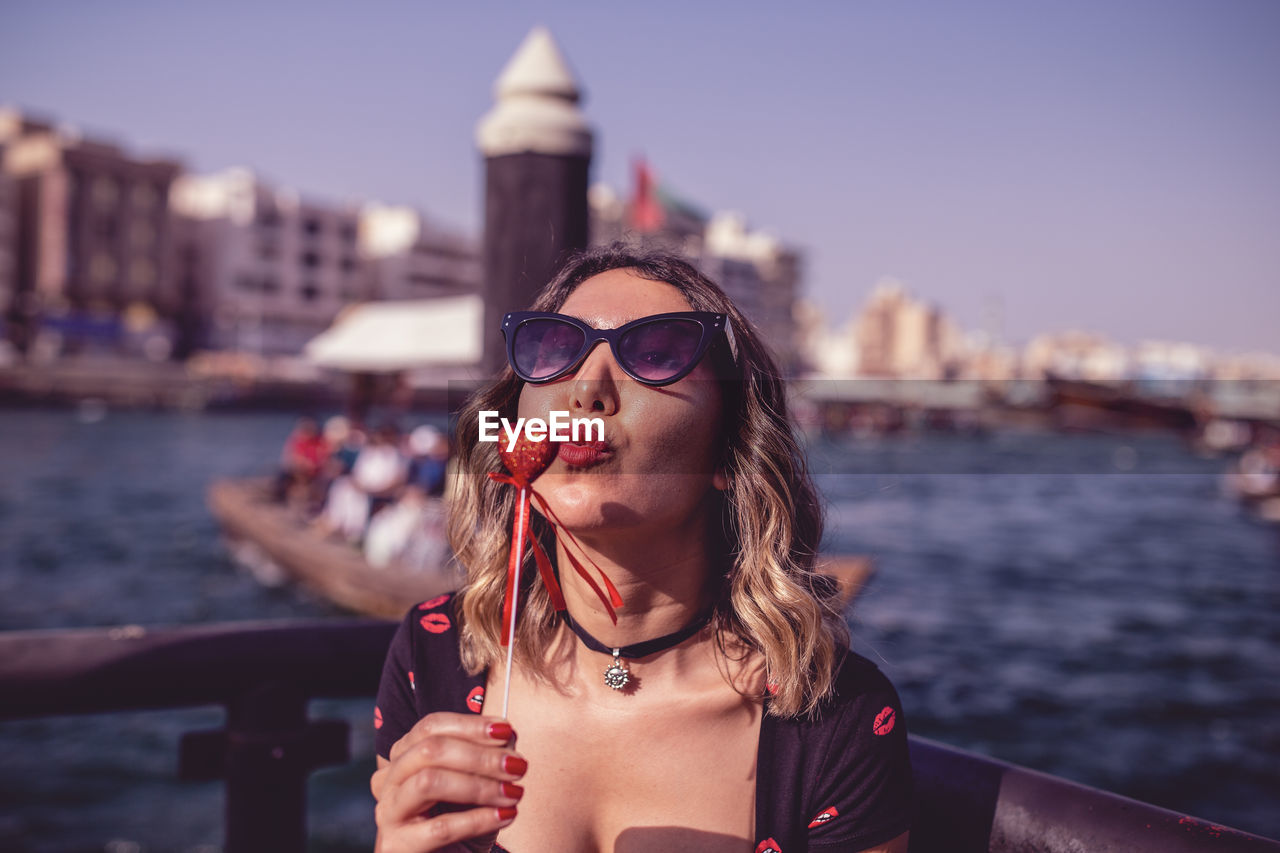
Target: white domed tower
537 149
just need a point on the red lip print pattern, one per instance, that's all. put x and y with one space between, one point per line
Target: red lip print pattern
377 717
884 721
768 846
433 603
475 700
436 623
824 816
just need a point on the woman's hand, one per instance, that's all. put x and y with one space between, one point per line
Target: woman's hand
447 759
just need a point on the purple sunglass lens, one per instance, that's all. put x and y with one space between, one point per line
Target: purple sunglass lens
544 347
661 349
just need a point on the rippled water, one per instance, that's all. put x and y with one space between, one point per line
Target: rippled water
1091 606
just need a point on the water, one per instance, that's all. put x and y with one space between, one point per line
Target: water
1088 606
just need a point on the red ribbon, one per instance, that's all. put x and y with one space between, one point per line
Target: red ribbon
519 535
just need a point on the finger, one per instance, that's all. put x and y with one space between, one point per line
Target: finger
436 832
481 730
425 789
379 777
496 762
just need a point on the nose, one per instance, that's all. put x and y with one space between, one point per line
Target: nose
594 389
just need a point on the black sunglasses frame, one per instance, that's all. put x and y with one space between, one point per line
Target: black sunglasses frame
710 322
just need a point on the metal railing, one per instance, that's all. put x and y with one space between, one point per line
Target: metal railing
265 673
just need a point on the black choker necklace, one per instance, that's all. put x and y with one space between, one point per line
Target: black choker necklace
617 675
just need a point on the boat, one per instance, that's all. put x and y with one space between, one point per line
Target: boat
1080 405
1254 480
279 545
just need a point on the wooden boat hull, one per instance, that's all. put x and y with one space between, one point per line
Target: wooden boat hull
331 569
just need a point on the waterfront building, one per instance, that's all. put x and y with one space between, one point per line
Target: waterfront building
268 269
824 353
654 217
761 275
1247 366
8 254
1075 355
989 361
409 257
757 271
92 246
899 336
1172 361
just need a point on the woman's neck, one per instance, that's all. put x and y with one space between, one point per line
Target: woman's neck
664 583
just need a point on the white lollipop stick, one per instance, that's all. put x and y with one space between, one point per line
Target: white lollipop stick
521 503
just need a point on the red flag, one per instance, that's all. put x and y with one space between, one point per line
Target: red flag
646 212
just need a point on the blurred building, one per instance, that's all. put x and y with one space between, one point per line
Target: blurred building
984 359
1247 366
1075 355
8 250
268 270
901 337
759 274
408 257
90 263
1169 360
824 353
756 271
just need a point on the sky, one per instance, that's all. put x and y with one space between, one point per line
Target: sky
1028 166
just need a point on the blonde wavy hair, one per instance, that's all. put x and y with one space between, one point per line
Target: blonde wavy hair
771 598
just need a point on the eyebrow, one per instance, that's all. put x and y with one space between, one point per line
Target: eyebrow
594 323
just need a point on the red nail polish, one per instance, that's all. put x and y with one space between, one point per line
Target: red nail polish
514 765
512 790
500 731
506 813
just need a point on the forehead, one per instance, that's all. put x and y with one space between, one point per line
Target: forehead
619 296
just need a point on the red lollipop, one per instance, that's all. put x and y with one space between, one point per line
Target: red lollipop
526 460
529 458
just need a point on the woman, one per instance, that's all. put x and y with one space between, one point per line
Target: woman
746 724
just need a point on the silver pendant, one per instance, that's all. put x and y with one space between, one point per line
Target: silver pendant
617 676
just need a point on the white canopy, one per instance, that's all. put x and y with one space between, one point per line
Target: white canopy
402 335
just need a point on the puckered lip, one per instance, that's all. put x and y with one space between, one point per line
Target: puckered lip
584 454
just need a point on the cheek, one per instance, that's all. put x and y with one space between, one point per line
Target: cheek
534 402
681 441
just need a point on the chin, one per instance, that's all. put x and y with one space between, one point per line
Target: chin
578 505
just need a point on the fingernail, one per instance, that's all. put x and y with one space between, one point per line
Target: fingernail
500 731
506 814
512 791
514 765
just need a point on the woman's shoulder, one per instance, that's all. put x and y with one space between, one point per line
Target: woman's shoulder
845 769
859 676
862 703
863 706
863 690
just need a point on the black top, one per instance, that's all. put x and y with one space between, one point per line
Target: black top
838 782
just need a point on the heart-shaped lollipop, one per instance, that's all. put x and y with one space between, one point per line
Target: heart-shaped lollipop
528 458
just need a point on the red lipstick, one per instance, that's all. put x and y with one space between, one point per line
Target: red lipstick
584 454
